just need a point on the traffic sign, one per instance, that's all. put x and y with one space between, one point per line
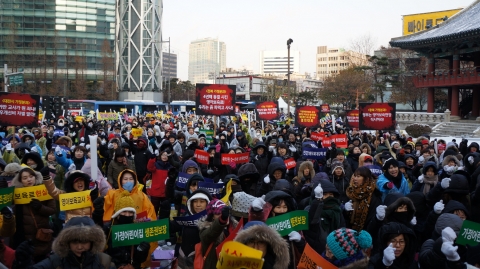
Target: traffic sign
16 80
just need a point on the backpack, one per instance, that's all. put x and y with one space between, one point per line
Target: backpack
199 257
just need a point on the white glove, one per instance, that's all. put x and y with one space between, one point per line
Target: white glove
72 147
34 149
72 167
414 221
258 204
266 179
349 206
470 160
209 171
381 212
420 179
88 147
318 192
421 159
58 150
82 144
104 142
450 251
110 146
26 151
292 148
270 148
157 153
82 139
73 133
294 236
9 147
388 255
446 183
220 181
162 134
156 128
448 235
438 207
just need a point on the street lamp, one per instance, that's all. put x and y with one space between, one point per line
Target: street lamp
289 42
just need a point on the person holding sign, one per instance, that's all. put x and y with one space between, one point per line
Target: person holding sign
32 216
346 248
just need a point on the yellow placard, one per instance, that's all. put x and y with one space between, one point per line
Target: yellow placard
149 115
237 255
123 109
79 118
244 117
107 116
228 191
40 116
74 200
136 132
23 196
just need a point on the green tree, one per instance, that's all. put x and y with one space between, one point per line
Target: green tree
382 75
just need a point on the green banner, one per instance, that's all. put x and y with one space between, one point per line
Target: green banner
6 196
134 234
469 234
208 135
287 223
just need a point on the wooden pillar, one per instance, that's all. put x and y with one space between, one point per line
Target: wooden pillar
449 99
456 64
455 98
431 90
475 104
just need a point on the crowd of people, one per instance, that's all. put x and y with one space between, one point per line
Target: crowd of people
387 201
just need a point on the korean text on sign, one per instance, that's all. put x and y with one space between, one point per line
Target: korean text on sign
134 234
23 196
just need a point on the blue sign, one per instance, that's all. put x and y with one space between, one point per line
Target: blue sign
375 169
191 221
213 188
182 180
314 153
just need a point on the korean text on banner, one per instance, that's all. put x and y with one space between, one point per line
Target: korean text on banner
182 180
352 118
107 116
316 136
287 223
191 221
202 156
19 109
290 163
469 234
314 153
267 110
235 255
215 99
236 158
377 116
213 188
134 234
231 236
137 132
307 116
6 196
340 140
310 259
23 196
74 200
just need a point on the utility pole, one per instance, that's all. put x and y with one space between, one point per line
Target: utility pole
15 81
289 42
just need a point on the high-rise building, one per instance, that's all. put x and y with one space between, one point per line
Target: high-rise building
331 60
276 62
169 66
62 45
139 49
207 58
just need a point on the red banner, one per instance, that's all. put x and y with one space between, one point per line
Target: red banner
290 163
215 99
327 142
202 156
19 109
315 136
307 116
267 110
340 140
236 158
325 108
310 259
352 118
377 116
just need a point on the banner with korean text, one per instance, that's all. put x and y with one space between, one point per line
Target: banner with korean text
314 153
213 188
352 118
191 221
6 196
202 156
316 136
236 158
19 109
74 200
290 163
23 196
310 259
377 116
267 110
235 255
469 234
307 116
215 99
107 116
134 234
287 223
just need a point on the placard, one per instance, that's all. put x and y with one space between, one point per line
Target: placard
290 163
318 136
182 180
307 116
231 236
202 156
469 234
235 255
352 118
325 108
267 110
19 109
340 140
136 233
377 116
314 153
310 259
107 116
6 196
74 200
237 158
375 169
215 99
137 132
213 188
191 221
289 222
25 195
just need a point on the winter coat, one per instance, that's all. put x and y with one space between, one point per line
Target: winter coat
103 185
341 183
213 232
301 180
115 168
251 186
272 167
8 256
141 160
383 180
159 170
25 222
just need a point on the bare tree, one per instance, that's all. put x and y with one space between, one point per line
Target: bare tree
364 44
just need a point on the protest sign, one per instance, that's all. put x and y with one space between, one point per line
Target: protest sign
310 259
469 234
352 118
182 180
231 236
107 116
325 108
19 109
24 195
191 221
340 140
307 116
267 110
6 196
314 153
237 158
136 233
215 99
208 135
316 136
290 163
289 222
377 116
213 188
74 200
235 255
375 169
202 156
137 132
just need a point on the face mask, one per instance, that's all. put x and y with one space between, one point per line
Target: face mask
71 126
124 220
128 186
28 142
90 124
280 140
259 134
33 166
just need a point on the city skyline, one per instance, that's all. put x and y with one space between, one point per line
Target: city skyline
249 27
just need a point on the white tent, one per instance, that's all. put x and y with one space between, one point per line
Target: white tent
284 105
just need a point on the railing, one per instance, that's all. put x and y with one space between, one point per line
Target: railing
423 117
448 78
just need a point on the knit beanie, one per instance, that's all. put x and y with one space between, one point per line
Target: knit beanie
337 164
125 203
241 204
215 207
388 163
345 243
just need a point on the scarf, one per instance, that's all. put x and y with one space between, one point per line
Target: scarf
331 214
52 163
429 182
361 197
395 180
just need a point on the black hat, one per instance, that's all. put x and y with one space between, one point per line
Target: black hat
390 162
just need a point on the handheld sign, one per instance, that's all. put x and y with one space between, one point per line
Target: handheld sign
469 234
213 188
287 223
191 221
182 180
310 259
25 195
202 156
290 163
314 153
235 255
6 196
74 200
134 234
236 158
137 132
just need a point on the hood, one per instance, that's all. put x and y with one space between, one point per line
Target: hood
420 203
327 186
32 137
135 178
64 141
453 205
397 228
18 184
361 159
198 194
459 183
36 158
197 177
189 163
68 183
277 245
449 158
11 136
473 145
276 166
83 229
367 146
166 143
284 185
447 220
398 202
248 170
303 165
429 164
410 156
260 145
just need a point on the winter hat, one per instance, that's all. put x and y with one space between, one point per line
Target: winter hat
395 142
241 204
388 163
200 193
448 220
12 168
337 164
345 243
459 183
441 146
125 203
425 142
215 207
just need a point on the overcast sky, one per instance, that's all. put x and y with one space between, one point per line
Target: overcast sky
248 26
